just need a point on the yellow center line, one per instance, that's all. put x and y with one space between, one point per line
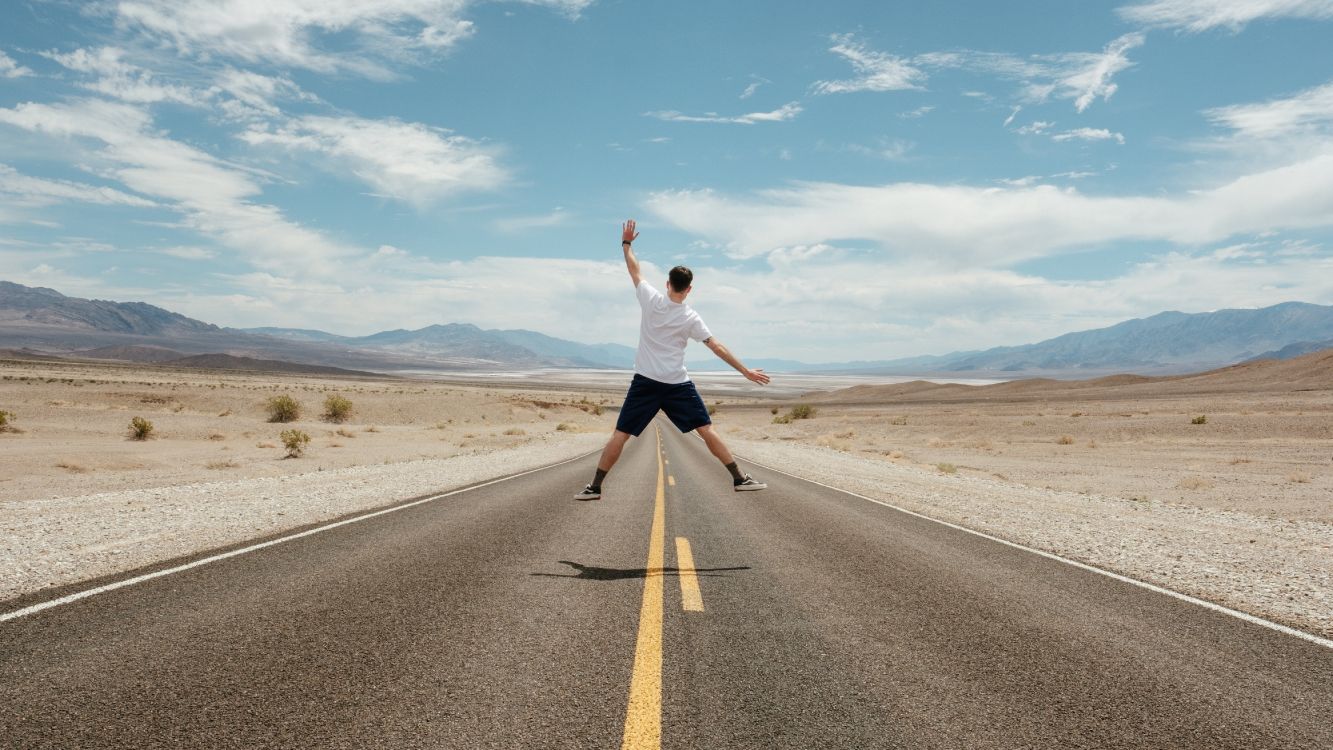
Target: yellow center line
691 599
643 720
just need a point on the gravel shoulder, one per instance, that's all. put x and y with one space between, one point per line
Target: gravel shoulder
63 540
1281 569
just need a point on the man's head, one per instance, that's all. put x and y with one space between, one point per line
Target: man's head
680 279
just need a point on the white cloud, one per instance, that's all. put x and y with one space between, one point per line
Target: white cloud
253 95
1012 115
213 197
749 90
515 224
372 36
781 114
999 226
188 252
1035 128
36 191
406 161
1081 77
1089 134
876 71
115 77
1306 112
918 112
1202 15
11 69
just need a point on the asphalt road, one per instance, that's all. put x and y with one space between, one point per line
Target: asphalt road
513 616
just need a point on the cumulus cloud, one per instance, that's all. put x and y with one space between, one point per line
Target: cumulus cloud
214 198
781 114
999 226
406 161
1202 15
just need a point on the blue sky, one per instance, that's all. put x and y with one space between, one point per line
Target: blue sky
849 180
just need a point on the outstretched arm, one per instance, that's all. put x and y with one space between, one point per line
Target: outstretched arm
627 237
725 354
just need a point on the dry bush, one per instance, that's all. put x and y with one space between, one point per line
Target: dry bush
895 455
1064 440
1077 414
140 428
566 427
344 432
216 436
337 409
1299 477
215 465
1092 443
371 428
1029 423
225 413
947 468
5 417
898 421
1240 460
803 411
73 467
773 410
283 408
514 431
1195 483
1201 419
295 441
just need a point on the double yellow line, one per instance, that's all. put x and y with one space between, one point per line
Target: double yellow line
643 721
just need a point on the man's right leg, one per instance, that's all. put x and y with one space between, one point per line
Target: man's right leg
610 454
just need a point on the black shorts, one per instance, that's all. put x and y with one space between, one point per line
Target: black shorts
646 397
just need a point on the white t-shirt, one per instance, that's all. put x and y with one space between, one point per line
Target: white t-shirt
664 329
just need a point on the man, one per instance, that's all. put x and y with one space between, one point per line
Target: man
660 382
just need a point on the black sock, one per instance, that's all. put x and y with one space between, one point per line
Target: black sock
597 480
735 472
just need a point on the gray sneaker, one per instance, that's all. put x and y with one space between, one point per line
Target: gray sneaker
589 493
748 483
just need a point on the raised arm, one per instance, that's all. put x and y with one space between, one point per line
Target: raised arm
627 237
725 354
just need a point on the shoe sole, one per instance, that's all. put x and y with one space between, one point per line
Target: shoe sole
587 497
750 487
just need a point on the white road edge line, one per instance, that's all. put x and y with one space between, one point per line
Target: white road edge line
1312 638
76 596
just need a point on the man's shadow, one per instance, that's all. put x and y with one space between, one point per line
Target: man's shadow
595 573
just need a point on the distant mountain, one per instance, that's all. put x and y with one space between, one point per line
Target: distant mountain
295 334
1291 351
229 362
1166 343
38 306
132 353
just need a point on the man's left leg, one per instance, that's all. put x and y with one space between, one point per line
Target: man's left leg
719 449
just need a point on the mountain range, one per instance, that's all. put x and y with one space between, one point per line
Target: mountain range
43 320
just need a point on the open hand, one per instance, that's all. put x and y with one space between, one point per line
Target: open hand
627 233
757 376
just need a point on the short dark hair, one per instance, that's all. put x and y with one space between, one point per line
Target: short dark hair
680 279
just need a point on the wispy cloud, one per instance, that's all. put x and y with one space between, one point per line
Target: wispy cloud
1202 15
754 86
1306 112
875 71
781 114
921 111
247 95
373 37
11 69
21 189
1037 127
889 149
1089 134
1012 115
111 75
213 197
406 161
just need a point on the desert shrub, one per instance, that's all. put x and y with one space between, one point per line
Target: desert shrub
1194 483
898 421
295 441
344 432
782 419
803 411
774 410
5 417
283 408
1298 477
1201 419
337 409
140 428
947 468
565 427
515 431
1064 440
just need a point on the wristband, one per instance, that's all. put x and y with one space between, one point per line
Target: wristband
626 242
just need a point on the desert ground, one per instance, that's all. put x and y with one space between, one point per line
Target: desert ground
1216 485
